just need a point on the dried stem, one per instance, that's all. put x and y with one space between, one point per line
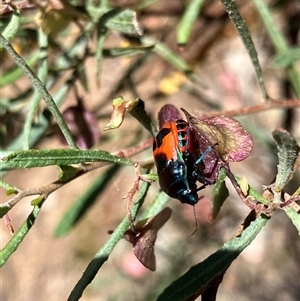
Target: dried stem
269 105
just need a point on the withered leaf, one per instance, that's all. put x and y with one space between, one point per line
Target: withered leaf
120 108
168 113
234 143
83 126
144 237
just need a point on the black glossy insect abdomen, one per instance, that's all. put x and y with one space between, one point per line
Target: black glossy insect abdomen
173 181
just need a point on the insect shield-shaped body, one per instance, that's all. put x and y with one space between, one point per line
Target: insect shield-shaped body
172 150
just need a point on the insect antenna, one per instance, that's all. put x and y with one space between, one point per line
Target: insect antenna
196 221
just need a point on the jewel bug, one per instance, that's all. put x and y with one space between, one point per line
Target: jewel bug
173 150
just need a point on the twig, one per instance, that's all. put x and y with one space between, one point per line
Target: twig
270 105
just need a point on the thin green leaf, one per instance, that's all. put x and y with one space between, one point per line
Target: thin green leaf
18 237
175 60
151 177
187 21
294 216
46 157
96 11
13 26
7 186
36 97
85 202
139 113
294 79
4 209
287 58
67 172
13 75
243 31
67 60
37 201
270 24
126 51
144 3
220 193
277 39
102 15
124 21
82 76
103 254
102 33
288 152
200 275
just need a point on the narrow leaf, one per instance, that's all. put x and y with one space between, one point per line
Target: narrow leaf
103 254
13 75
294 216
102 34
187 21
278 40
67 172
124 21
220 193
18 237
288 152
7 186
243 31
270 25
172 58
13 26
42 74
200 275
126 51
4 209
46 157
287 58
139 113
37 201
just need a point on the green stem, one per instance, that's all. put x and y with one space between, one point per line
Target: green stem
42 75
40 87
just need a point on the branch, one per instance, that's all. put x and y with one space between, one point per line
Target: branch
270 105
